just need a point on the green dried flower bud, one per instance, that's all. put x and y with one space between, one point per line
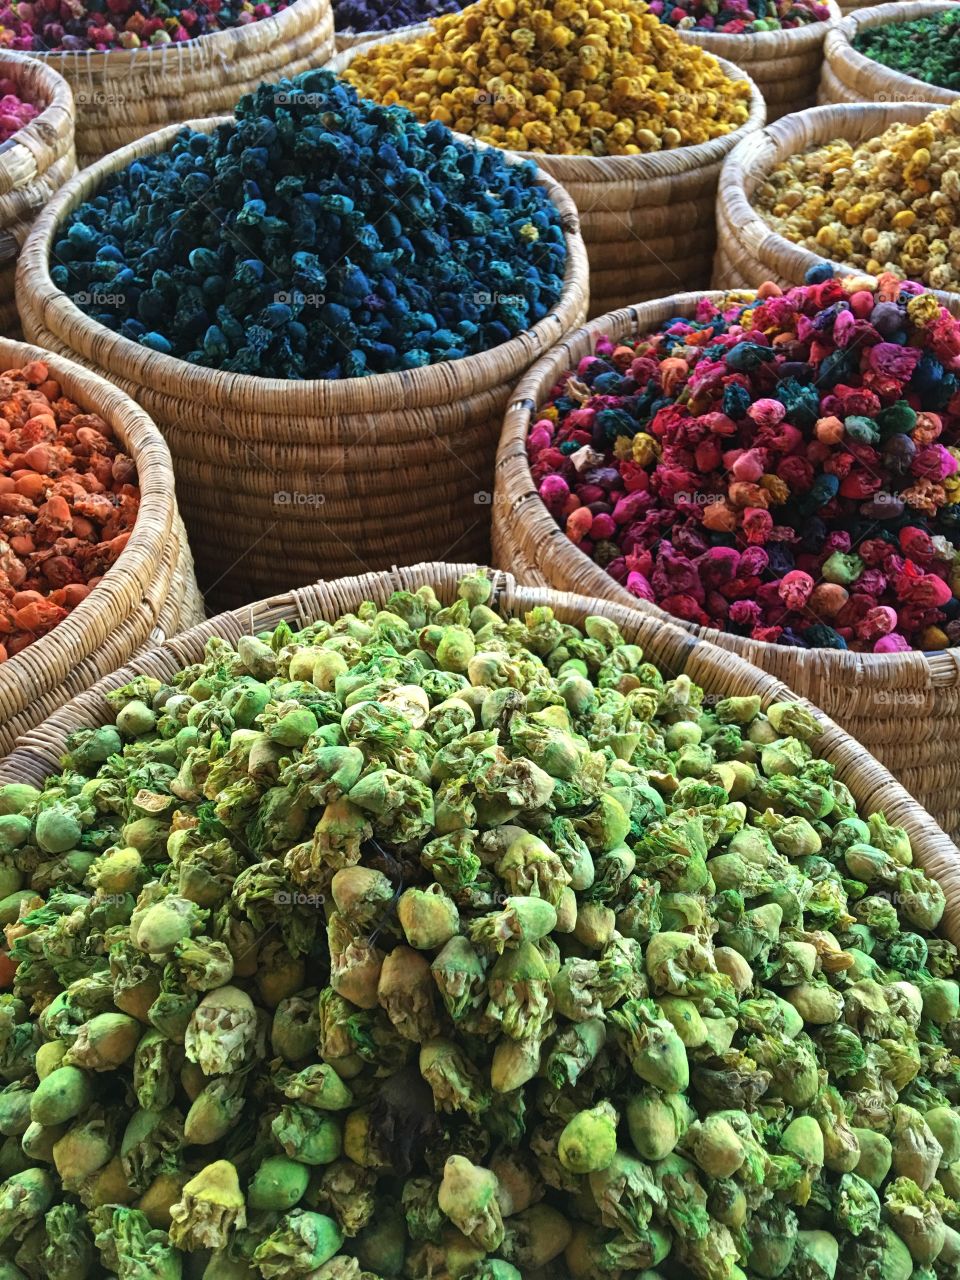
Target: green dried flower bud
916 1219
317 1086
24 1199
212 1207
653 1047
515 1062
455 1081
222 1031
589 1140
792 719
685 1019
17 797
468 1197
657 1121
307 1134
715 1146
941 1001
215 1110
104 1043
944 1124
876 1156
158 929
858 1206
15 1109
85 1147
135 719
816 1002
916 1152
596 925
69 1252
38 1141
58 828
61 1095
428 917
519 920
361 894
278 1184
298 1246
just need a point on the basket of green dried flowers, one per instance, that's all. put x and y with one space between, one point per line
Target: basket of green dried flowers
425 924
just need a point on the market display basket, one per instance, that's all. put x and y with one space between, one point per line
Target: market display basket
784 65
851 76
648 221
283 478
149 594
671 647
902 707
749 250
124 94
37 160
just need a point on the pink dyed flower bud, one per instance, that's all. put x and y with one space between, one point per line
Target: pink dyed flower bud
795 589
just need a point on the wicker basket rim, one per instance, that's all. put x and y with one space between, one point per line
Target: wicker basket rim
938 668
136 430
381 391
279 25
377 37
767 44
34 136
754 157
840 44
641 168
710 666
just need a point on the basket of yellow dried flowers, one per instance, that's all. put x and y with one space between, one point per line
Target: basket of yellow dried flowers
865 61
633 122
864 186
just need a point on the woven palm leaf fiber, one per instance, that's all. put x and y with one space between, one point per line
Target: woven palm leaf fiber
902 707
34 163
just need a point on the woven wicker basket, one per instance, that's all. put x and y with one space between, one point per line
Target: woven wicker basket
748 249
37 160
150 593
647 221
353 39
852 6
124 94
784 65
849 76
905 707
673 649
277 479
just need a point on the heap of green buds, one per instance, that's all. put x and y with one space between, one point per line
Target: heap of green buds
435 944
